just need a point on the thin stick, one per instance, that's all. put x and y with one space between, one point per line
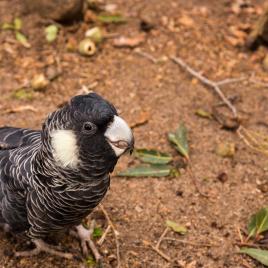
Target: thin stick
247 142
239 234
206 81
110 35
230 80
146 55
101 240
253 80
116 234
253 136
161 253
232 99
189 242
245 244
20 109
161 237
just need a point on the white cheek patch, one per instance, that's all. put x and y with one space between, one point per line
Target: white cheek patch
65 148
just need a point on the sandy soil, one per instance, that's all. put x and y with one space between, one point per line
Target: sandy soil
139 207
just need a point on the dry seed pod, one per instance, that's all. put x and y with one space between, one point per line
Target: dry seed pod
94 34
87 47
39 82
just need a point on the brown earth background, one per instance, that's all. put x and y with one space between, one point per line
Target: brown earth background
166 95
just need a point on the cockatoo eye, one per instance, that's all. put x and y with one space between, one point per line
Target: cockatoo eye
89 128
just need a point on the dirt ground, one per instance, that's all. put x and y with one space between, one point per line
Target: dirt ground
139 207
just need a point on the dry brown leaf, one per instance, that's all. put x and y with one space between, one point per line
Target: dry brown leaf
223 117
237 37
141 119
238 5
234 41
259 30
235 9
235 31
191 264
200 10
131 42
186 21
90 16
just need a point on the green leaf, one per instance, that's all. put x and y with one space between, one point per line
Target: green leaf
175 172
258 222
202 113
257 254
7 26
51 32
176 227
17 24
111 19
90 262
179 139
152 156
22 94
97 232
22 39
146 171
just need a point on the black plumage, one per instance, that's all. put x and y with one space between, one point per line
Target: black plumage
43 189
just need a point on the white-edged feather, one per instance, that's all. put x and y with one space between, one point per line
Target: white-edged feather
65 149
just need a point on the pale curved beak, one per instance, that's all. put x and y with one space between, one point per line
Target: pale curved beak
120 136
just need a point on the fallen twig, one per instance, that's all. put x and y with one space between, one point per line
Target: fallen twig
20 109
239 234
212 84
131 42
189 242
232 99
146 55
230 80
101 240
116 234
156 247
256 81
161 237
252 245
161 253
110 35
251 141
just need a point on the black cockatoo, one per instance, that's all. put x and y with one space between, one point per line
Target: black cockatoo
51 179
